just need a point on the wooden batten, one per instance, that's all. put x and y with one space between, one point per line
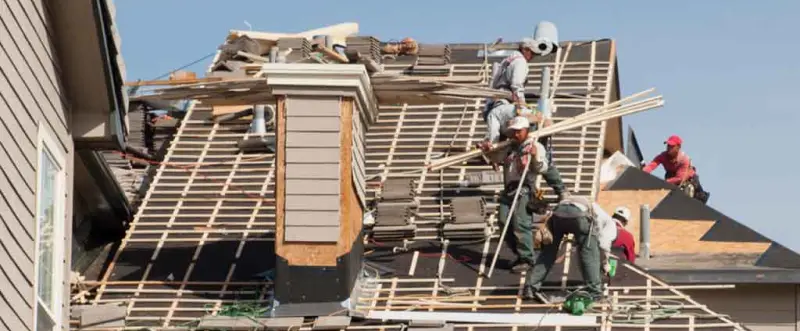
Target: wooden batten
297 241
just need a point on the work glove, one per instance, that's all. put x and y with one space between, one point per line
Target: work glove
485 145
606 265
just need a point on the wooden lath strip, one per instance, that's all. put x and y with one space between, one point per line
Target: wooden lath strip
586 108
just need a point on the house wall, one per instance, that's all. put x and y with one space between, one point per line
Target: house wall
31 99
758 307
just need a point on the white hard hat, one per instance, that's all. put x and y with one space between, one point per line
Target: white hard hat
623 212
528 43
519 123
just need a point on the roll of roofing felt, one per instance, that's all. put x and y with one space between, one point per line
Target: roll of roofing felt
546 36
544 47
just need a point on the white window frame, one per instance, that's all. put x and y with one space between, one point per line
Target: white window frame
49 144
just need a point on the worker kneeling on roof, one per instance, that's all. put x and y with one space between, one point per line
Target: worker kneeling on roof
593 232
524 151
678 169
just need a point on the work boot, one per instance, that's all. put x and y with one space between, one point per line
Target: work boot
528 293
521 266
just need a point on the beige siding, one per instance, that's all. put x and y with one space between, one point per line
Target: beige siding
30 94
759 307
312 169
359 175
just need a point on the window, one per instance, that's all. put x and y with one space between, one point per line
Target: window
50 199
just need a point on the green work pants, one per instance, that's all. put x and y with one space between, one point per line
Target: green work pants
521 222
588 251
553 179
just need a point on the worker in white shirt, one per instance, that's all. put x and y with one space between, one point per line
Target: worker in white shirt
593 230
511 75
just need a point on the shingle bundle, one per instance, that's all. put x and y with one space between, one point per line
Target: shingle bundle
394 210
468 219
433 55
366 46
301 48
398 190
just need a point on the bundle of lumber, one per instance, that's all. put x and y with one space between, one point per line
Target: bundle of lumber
604 113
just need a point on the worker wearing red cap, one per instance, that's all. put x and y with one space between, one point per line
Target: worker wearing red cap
677 165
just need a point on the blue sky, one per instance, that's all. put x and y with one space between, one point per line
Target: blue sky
726 69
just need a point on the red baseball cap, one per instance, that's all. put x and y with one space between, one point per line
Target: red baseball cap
674 140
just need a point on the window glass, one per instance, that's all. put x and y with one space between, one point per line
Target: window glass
46 259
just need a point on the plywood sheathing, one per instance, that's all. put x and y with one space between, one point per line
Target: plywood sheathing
611 200
350 211
668 236
683 236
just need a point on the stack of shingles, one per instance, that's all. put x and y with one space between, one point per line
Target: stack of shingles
128 171
432 60
433 55
137 122
158 133
301 48
366 46
395 208
468 219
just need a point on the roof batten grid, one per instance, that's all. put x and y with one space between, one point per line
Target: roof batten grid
409 147
172 219
137 218
209 224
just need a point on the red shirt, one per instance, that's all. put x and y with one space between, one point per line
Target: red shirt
680 168
626 242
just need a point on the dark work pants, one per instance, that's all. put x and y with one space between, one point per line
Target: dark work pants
552 176
588 251
521 222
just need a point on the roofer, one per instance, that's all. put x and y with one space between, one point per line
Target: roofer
624 242
593 231
512 75
524 150
678 169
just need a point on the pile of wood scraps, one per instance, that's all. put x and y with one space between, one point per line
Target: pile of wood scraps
394 86
230 91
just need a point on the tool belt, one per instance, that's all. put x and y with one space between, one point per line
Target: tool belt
584 208
543 235
510 188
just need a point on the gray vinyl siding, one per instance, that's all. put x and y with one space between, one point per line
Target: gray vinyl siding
312 169
30 93
758 307
359 174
